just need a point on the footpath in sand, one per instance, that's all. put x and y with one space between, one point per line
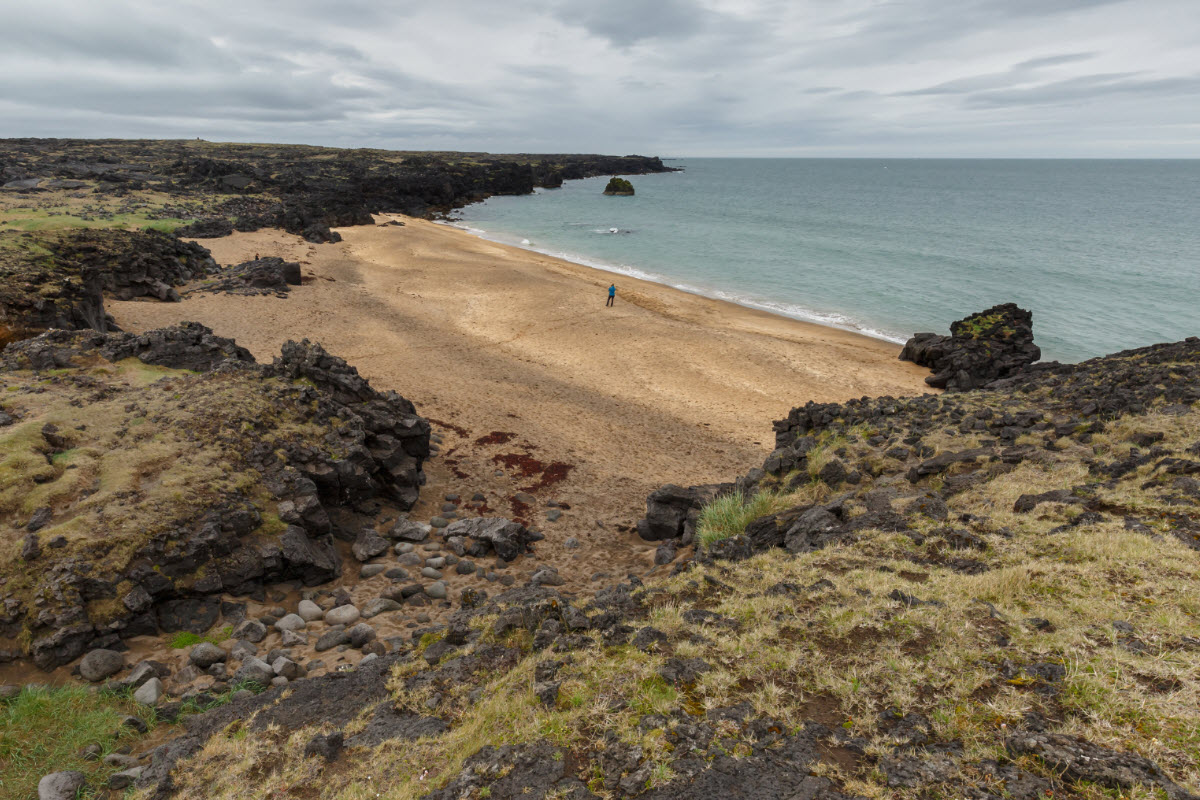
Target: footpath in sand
534 385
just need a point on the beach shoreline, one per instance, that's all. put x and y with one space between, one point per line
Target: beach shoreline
535 386
786 311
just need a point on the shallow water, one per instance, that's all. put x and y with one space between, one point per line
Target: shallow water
1105 253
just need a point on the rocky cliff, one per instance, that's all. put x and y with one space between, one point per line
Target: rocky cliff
305 190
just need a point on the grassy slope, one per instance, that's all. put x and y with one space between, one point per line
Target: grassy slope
977 641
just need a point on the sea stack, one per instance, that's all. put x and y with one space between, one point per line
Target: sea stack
619 187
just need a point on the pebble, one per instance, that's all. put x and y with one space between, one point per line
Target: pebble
499 473
437 562
423 617
310 611
525 497
432 547
371 570
404 547
451 559
478 496
120 760
431 573
464 567
279 680
571 543
439 522
449 507
342 615
398 574
368 658
451 497
411 560
436 590
553 515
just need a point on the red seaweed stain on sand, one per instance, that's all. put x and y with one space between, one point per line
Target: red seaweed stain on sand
496 437
526 466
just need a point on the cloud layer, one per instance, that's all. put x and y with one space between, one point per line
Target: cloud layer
1058 78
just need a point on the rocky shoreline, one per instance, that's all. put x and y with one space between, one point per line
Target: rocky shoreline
983 593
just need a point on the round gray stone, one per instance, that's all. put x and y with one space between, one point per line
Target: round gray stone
439 522
61 785
205 654
431 573
292 622
371 570
100 664
436 590
310 611
342 615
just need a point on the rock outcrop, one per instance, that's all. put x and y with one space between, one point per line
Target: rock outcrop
269 275
619 187
58 279
177 469
981 348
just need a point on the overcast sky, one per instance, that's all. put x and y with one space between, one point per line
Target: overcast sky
1117 78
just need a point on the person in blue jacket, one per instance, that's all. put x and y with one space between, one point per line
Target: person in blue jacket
612 295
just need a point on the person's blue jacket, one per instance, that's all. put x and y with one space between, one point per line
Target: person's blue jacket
612 290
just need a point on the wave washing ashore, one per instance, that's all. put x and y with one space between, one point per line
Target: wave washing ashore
1105 253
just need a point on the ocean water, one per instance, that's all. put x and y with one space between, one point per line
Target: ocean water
1105 253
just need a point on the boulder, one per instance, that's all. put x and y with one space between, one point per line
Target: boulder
672 511
205 654
100 664
254 670
368 545
309 611
251 631
405 530
292 622
984 347
149 693
507 538
342 615
61 785
379 606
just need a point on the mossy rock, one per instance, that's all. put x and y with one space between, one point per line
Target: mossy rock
619 187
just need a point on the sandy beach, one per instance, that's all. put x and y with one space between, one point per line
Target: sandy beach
534 384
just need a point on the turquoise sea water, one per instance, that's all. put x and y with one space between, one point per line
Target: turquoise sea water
1105 253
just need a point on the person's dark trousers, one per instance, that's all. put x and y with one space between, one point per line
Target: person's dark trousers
610 300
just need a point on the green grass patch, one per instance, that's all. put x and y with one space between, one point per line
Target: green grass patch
188 639
729 514
43 730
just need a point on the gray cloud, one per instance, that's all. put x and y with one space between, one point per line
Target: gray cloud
673 77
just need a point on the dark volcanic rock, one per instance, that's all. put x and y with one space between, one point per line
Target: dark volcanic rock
506 538
981 348
1080 760
672 511
268 275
